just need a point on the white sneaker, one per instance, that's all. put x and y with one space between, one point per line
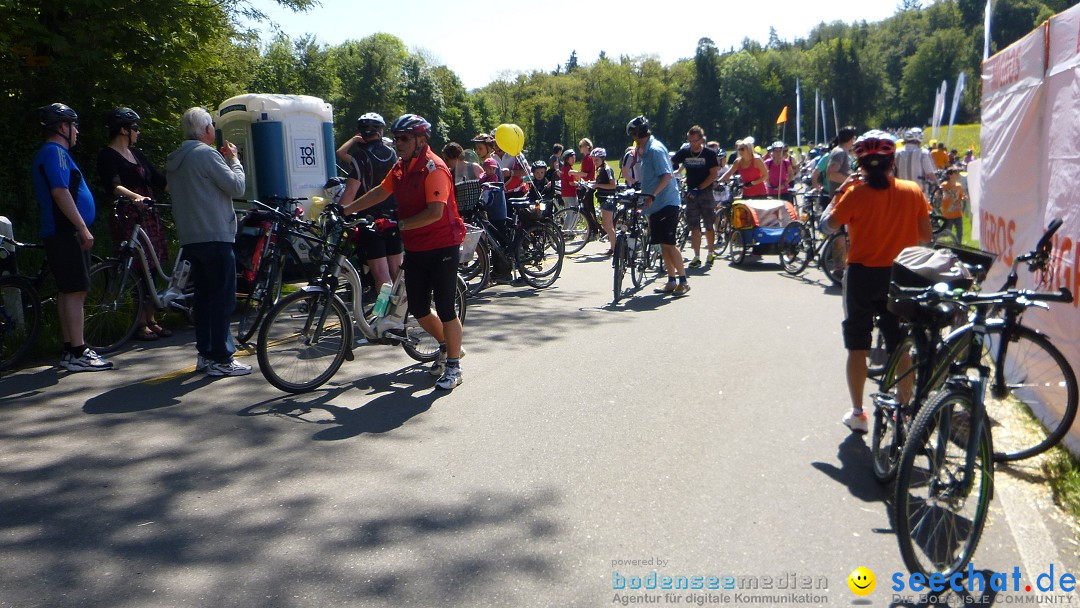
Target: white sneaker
232 368
450 379
438 368
201 363
88 361
856 423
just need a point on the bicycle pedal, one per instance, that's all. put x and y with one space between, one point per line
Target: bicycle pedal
885 400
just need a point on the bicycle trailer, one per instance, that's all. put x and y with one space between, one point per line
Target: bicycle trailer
761 225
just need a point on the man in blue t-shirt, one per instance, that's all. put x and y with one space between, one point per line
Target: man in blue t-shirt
661 201
67 209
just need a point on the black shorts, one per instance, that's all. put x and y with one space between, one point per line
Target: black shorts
68 262
375 245
432 272
662 225
866 291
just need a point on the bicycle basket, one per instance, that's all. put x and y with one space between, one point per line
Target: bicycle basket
467 194
972 257
472 239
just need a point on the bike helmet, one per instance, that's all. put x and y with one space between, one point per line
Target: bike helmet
121 117
598 153
567 155
875 143
638 127
411 123
539 165
370 123
483 138
914 134
56 113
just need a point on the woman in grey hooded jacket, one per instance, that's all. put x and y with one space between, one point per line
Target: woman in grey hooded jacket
203 182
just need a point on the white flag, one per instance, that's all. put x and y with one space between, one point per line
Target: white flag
955 103
986 30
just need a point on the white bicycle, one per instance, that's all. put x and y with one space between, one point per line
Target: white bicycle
307 335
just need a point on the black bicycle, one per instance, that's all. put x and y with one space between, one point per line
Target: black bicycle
21 301
631 242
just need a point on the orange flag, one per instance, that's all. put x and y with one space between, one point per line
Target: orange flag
783 116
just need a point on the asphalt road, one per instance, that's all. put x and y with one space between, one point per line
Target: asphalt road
699 436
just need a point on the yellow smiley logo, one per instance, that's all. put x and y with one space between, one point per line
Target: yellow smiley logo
861 581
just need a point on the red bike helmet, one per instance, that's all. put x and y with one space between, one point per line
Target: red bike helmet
875 143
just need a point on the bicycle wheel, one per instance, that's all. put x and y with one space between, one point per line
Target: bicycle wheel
422 346
20 319
303 341
741 245
639 262
111 308
896 389
539 255
477 270
796 243
938 517
723 232
574 229
1034 377
834 257
619 262
682 229
252 307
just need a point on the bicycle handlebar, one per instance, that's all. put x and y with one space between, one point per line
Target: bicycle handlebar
1024 297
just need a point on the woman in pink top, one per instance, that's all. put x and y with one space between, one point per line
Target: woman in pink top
780 172
751 169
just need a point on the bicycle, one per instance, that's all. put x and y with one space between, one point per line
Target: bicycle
631 243
573 223
829 251
118 288
528 243
1026 367
21 301
261 278
944 479
309 334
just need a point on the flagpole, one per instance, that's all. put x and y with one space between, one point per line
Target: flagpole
824 122
798 115
817 140
835 117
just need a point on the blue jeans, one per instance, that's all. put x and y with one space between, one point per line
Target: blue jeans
213 270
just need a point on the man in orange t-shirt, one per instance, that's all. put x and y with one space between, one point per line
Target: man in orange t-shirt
884 215
431 231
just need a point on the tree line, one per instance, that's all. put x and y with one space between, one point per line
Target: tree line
163 56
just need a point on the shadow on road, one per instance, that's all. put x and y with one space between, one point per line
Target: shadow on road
401 395
15 388
855 469
137 398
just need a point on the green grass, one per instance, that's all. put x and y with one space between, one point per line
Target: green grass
1063 472
963 137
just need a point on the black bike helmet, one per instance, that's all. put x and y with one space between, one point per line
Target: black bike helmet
411 123
638 127
370 123
568 154
539 165
56 113
121 117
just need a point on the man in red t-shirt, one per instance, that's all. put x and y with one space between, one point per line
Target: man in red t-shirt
431 231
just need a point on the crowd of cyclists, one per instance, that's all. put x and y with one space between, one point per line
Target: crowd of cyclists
404 182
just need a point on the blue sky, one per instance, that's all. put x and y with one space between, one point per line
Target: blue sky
481 41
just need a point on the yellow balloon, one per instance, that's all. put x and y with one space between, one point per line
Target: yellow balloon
510 138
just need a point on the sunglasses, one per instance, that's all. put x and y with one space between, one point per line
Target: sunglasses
403 138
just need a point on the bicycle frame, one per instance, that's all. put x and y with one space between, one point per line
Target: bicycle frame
137 245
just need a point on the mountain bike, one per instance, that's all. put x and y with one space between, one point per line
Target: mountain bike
119 286
1027 369
260 277
527 242
945 475
309 334
631 243
573 224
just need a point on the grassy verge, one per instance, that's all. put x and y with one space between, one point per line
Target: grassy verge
1062 469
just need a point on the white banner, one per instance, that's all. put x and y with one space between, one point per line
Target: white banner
1031 101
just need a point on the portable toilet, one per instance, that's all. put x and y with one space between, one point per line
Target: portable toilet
285 142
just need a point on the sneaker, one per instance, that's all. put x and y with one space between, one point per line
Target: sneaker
438 368
681 290
712 258
856 423
449 379
201 363
232 368
88 361
696 262
667 288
